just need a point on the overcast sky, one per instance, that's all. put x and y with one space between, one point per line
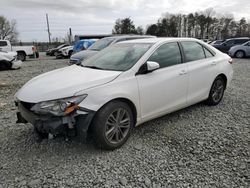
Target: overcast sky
98 16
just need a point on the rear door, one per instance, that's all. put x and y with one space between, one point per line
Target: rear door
164 89
201 65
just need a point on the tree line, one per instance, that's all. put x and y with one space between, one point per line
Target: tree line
203 25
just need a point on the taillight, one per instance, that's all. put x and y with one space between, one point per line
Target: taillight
230 61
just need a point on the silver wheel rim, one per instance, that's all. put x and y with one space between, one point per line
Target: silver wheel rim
217 90
117 126
239 54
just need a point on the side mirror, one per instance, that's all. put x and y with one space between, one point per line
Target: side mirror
147 67
151 66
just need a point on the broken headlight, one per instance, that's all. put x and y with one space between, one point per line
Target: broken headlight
59 107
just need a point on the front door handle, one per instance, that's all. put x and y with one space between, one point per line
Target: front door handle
213 63
183 72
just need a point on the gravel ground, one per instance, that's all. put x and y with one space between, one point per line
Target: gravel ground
199 146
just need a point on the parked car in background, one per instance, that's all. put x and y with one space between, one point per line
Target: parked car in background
22 51
83 44
64 52
228 43
240 51
100 45
216 42
123 86
52 51
8 60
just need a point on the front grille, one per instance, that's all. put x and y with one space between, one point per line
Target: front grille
27 105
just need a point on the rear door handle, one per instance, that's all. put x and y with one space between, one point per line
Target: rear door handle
183 72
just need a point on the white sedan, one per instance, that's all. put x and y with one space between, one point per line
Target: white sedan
123 86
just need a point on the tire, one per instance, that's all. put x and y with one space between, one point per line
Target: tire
70 53
40 135
216 92
108 134
21 56
239 54
37 54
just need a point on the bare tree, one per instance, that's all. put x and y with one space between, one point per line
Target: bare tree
8 29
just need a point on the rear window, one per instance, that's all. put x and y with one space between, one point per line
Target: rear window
3 43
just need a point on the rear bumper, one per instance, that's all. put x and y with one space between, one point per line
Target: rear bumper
55 124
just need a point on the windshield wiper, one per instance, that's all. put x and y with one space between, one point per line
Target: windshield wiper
92 67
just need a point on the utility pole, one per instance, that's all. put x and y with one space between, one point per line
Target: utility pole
70 35
47 19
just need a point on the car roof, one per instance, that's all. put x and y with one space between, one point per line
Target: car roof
129 36
247 38
160 40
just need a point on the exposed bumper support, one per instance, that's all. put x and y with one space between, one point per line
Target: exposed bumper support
56 125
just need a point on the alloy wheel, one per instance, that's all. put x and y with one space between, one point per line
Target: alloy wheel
117 126
217 90
239 54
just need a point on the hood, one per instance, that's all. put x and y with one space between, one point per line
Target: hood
62 83
8 56
82 55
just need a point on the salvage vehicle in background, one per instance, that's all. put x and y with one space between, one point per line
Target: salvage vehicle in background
83 44
52 51
228 43
22 51
64 52
216 42
77 58
123 86
8 60
240 51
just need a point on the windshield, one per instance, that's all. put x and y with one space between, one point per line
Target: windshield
101 44
118 57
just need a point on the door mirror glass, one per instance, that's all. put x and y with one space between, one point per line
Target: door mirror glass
151 66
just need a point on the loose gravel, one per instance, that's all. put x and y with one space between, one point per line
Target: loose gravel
200 146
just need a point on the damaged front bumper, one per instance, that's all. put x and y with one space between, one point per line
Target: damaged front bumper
79 121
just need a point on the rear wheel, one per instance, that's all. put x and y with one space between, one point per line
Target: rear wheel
216 91
240 54
70 53
112 125
21 56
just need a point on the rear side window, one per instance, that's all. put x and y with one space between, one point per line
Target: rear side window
193 51
3 43
167 55
207 53
240 41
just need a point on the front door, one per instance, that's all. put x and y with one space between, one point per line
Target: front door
165 89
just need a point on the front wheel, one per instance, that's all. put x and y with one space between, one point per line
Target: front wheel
239 54
112 125
217 91
21 56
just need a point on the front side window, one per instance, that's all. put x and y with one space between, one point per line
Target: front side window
3 43
167 55
101 44
193 51
118 57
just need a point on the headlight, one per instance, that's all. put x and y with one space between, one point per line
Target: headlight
58 107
